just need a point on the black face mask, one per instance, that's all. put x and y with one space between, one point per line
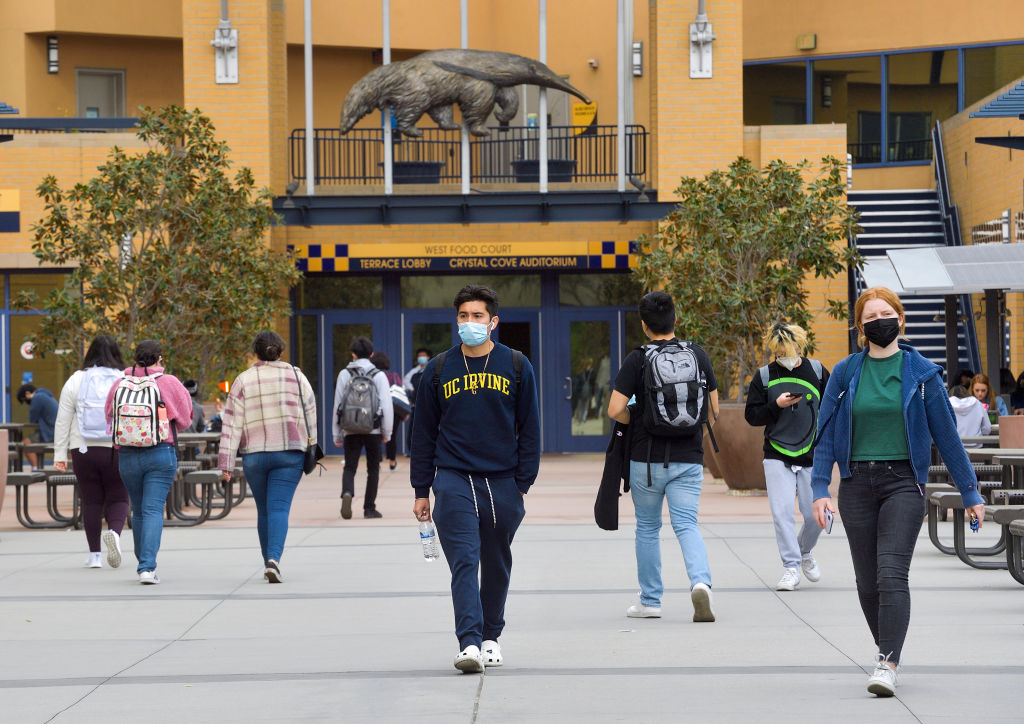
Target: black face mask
882 331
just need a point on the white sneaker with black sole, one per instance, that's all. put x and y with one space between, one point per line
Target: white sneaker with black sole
470 660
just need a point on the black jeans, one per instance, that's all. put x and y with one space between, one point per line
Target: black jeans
883 507
354 445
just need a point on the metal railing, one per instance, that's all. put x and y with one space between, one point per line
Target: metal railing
67 125
918 149
508 155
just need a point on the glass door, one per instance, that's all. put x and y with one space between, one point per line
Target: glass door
588 360
338 331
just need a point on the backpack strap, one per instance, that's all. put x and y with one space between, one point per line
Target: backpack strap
816 366
517 366
438 366
764 375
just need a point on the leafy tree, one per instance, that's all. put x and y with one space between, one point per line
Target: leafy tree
166 244
735 251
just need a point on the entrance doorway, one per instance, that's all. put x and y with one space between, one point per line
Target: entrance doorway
587 361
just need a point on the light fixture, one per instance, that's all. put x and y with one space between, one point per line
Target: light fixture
593 63
52 59
701 37
638 58
826 91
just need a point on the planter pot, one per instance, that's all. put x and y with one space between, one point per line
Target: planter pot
739 449
560 170
416 172
1011 431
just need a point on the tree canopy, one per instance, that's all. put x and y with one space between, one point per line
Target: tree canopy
167 244
736 250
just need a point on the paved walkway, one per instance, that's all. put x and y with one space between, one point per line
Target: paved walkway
362 629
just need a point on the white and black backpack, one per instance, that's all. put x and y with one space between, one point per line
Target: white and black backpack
140 418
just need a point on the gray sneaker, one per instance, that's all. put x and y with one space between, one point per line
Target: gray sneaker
703 611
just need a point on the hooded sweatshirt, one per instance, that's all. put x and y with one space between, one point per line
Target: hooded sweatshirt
971 418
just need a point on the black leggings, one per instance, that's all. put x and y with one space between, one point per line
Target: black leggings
99 484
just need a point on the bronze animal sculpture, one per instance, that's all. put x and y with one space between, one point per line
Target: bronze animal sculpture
431 82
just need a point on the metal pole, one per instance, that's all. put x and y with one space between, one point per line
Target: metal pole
952 345
307 42
620 66
993 337
542 110
386 48
464 43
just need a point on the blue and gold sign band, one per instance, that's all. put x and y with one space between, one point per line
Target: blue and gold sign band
465 256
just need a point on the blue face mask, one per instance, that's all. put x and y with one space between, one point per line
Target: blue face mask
474 333
422 361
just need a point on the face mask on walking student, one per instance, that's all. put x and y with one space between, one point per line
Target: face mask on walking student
422 360
882 331
474 333
788 362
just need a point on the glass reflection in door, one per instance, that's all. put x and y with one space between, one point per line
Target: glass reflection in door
590 365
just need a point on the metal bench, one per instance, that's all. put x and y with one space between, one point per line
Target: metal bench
207 480
952 501
21 483
1014 558
1002 515
55 480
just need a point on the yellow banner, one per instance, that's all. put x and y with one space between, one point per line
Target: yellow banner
459 248
10 200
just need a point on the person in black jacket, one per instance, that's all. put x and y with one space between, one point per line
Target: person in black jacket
785 396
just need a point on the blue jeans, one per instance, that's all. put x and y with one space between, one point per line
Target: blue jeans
273 477
147 473
680 483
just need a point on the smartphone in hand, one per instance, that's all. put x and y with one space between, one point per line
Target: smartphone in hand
829 518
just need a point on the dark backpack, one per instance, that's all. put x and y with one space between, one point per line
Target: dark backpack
675 390
414 382
794 434
359 411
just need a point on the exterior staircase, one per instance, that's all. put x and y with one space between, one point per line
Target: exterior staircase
901 219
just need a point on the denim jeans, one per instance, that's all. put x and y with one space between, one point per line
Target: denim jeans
680 483
147 473
882 507
786 483
273 477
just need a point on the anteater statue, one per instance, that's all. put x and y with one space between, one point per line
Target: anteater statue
431 82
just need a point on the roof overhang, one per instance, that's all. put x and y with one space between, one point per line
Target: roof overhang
949 270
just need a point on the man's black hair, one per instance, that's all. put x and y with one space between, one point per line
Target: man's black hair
478 293
25 388
424 349
104 352
361 347
658 312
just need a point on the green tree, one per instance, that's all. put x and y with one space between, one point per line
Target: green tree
166 244
735 251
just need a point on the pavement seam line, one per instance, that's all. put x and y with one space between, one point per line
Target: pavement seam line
476 699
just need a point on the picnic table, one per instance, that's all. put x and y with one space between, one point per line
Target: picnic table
984 440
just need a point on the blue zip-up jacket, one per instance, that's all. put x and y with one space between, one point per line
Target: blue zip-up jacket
927 415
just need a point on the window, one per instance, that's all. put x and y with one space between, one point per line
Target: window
348 292
922 87
438 291
855 88
774 94
100 92
986 70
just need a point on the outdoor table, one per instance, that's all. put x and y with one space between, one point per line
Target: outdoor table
1015 463
42 449
15 442
984 454
189 443
984 440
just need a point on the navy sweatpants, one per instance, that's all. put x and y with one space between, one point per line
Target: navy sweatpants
477 541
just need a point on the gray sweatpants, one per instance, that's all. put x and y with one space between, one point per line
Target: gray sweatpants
785 485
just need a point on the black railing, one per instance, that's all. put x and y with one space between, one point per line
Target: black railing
918 149
67 125
508 155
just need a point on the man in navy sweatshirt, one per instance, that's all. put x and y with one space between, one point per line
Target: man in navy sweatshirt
476 442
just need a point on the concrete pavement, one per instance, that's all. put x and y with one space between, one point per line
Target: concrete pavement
362 631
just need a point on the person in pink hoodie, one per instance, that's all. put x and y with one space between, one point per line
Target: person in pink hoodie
148 463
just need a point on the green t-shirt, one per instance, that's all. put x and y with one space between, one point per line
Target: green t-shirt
879 431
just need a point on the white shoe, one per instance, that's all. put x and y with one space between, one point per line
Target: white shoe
95 560
703 611
810 568
113 543
789 581
882 681
149 578
470 661
638 610
490 651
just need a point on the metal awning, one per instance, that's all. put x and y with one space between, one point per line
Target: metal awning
960 269
879 272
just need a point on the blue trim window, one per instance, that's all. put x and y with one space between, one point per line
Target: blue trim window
888 101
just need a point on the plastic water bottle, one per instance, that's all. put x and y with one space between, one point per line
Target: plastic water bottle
428 539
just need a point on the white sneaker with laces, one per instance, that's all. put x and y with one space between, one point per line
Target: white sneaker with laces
638 610
789 581
149 578
113 543
810 568
883 680
700 596
95 560
490 652
470 661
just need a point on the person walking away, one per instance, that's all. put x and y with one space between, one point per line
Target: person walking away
198 415
882 410
382 362
82 428
666 452
264 420
363 419
784 397
42 411
477 446
146 410
411 382
971 417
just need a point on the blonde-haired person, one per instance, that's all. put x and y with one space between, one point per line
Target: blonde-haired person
784 396
981 388
883 407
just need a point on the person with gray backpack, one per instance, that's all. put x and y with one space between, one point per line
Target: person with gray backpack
784 396
361 421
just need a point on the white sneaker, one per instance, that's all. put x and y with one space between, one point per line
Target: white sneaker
700 595
149 578
638 610
93 561
789 581
810 568
490 651
882 681
469 661
113 543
